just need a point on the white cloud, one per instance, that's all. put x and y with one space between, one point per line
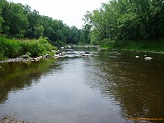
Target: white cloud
70 11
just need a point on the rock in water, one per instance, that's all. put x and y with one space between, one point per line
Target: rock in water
148 58
25 56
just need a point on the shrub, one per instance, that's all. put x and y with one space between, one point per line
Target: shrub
14 48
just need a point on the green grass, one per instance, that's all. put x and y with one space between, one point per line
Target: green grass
154 46
11 48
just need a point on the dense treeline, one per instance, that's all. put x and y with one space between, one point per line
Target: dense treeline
23 31
19 21
115 22
127 20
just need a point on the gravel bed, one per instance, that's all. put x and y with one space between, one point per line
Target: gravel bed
10 119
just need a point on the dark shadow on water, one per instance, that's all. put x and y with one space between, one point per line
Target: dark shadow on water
17 76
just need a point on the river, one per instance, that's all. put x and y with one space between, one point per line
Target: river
111 87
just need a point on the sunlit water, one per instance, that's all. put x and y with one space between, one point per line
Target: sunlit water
110 87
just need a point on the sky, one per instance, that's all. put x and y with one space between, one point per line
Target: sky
70 12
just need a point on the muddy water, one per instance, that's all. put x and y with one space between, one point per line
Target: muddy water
110 87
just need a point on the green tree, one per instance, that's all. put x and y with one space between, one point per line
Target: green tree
74 35
84 34
34 25
19 21
5 13
1 21
15 21
135 20
38 31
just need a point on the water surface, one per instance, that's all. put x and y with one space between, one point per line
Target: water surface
108 88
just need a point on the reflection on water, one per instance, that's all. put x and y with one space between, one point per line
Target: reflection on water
110 87
134 84
16 76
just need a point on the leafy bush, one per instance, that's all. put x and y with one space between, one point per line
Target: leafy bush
59 43
10 48
14 48
107 43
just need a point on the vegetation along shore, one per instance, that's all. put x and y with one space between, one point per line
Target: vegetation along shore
25 35
145 46
128 24
118 24
11 48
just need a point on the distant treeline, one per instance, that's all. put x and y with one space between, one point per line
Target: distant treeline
127 20
116 21
19 21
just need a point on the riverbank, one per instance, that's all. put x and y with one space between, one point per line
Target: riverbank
10 119
12 48
81 46
26 58
155 47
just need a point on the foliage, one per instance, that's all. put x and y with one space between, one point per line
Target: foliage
74 36
59 43
15 21
124 20
9 48
14 48
156 46
84 34
1 20
19 21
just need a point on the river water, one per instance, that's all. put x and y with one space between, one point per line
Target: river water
111 87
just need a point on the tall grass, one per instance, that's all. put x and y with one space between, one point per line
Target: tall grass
11 48
155 46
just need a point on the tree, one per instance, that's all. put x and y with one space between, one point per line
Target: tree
74 35
125 20
34 25
5 13
84 34
19 21
1 20
38 31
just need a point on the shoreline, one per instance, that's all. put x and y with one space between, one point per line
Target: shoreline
144 46
35 59
10 119
130 50
137 51
26 59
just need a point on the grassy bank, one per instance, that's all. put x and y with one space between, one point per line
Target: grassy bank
11 48
154 46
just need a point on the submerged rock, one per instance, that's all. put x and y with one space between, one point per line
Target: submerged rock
87 54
